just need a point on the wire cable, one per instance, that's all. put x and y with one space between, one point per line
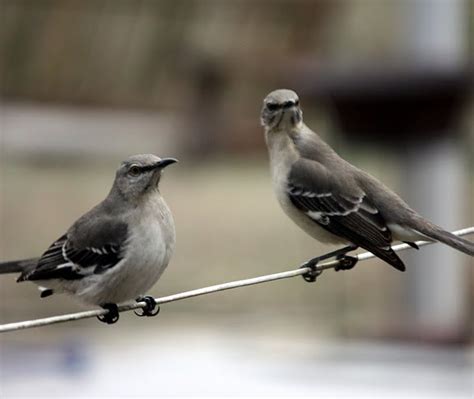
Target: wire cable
208 290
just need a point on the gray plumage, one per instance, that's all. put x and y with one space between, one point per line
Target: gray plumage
116 251
332 200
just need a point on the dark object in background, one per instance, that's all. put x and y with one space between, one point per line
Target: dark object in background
392 105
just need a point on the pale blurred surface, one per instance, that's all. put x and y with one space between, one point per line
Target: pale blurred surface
222 357
86 84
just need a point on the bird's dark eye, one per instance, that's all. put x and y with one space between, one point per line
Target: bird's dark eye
134 170
297 102
272 106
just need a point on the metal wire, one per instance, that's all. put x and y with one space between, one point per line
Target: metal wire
206 290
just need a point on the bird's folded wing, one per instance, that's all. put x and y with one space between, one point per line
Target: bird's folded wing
74 256
341 207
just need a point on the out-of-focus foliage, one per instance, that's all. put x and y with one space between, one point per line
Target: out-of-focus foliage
152 53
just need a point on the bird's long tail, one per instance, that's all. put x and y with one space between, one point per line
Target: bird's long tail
18 266
437 233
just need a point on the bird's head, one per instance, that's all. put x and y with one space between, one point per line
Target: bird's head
139 175
281 110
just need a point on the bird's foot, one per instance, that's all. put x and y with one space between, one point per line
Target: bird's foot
346 262
151 308
112 315
313 273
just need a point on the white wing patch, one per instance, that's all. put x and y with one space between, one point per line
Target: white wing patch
79 268
307 193
323 217
96 250
355 208
67 263
353 199
321 207
318 216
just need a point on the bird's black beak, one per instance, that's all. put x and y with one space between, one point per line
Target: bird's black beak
165 162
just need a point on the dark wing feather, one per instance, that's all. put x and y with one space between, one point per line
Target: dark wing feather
341 208
70 258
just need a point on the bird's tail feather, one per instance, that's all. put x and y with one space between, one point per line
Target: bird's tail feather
389 256
18 266
437 233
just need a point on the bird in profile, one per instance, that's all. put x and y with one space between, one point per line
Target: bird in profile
115 252
332 200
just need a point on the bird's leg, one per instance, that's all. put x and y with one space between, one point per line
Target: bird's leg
151 308
338 254
345 262
113 313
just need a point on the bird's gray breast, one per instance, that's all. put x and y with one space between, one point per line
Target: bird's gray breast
151 243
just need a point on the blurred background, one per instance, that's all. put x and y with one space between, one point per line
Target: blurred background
389 84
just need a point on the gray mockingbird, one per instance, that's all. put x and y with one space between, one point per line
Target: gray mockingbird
332 200
116 251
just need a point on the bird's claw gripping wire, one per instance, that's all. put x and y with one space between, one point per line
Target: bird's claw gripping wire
112 315
313 273
346 262
151 308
